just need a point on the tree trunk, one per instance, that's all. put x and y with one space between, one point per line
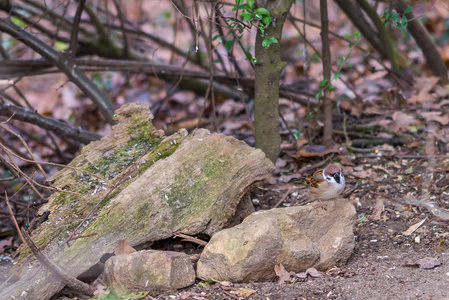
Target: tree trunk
268 70
327 103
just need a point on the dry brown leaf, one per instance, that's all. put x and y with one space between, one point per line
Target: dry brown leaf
402 121
362 174
378 209
101 290
123 248
424 85
283 274
314 272
436 116
424 263
346 161
5 244
316 151
310 271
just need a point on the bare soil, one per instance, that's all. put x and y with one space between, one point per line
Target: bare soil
378 267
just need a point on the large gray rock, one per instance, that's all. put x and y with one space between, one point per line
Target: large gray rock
154 271
296 237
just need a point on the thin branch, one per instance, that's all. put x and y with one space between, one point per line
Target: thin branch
122 26
55 270
82 81
59 128
71 53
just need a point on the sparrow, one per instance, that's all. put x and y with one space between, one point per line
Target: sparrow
326 183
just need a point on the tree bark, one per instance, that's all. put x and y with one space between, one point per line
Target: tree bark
326 57
267 72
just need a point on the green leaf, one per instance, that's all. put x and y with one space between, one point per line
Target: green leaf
337 75
228 45
262 11
341 60
310 113
348 65
356 34
18 21
274 40
250 4
331 88
61 46
246 16
395 18
203 283
408 9
323 83
266 43
318 96
296 134
237 5
217 37
266 20
403 24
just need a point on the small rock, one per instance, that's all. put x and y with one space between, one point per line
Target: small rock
297 237
150 270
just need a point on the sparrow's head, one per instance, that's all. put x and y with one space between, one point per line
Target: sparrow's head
334 176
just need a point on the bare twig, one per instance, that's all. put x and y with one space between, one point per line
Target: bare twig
192 239
71 53
73 74
56 271
59 128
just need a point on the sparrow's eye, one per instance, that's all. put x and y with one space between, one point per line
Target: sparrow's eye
336 175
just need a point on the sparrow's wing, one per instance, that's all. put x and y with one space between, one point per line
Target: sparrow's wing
315 179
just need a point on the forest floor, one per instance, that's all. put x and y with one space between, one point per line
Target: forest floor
383 182
380 266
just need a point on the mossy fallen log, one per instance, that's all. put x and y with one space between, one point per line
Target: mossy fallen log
145 187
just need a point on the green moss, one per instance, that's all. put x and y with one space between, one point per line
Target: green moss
66 198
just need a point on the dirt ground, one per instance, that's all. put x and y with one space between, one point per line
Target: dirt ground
378 267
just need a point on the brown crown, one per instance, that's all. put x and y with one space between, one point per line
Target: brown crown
331 169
